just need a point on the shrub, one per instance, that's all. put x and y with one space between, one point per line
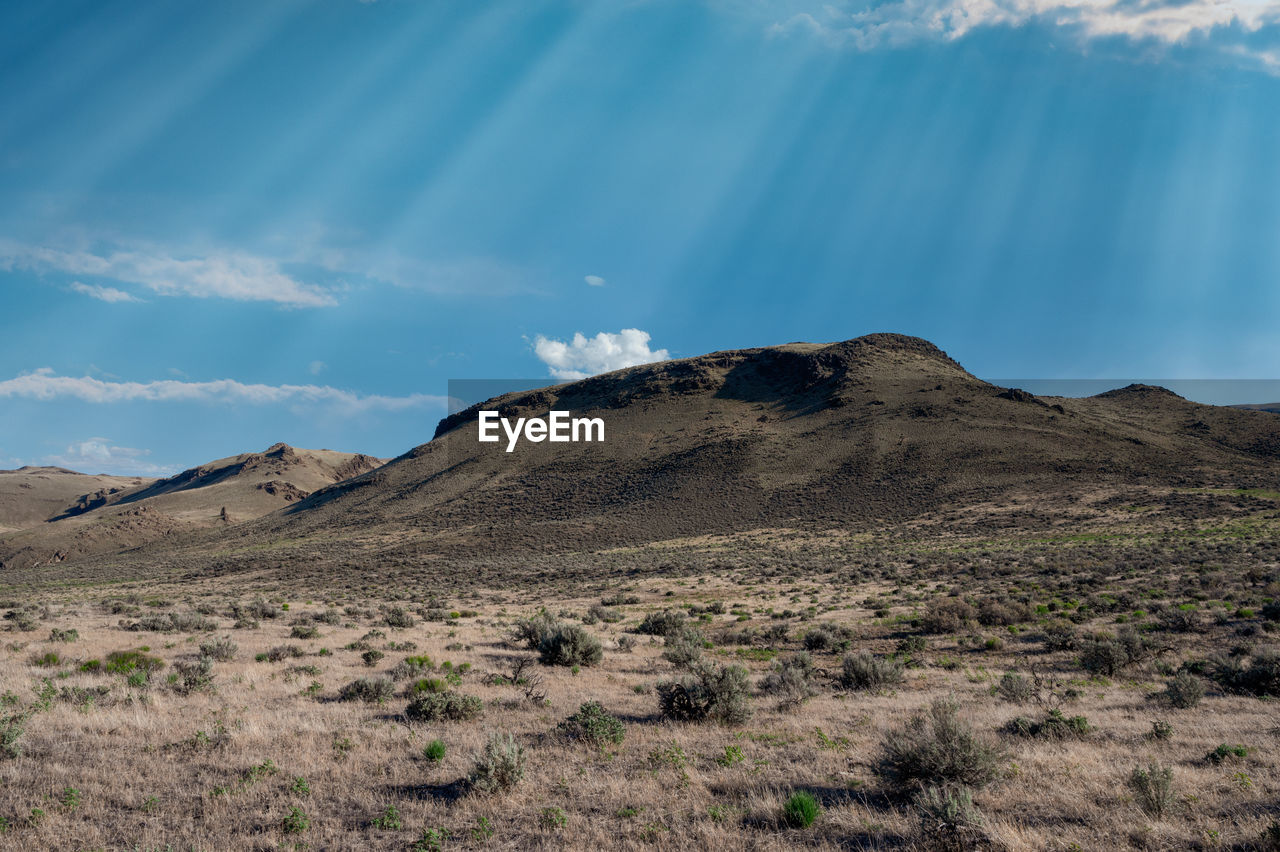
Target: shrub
662 623
593 725
193 675
791 680
371 690
949 821
1226 753
295 822
865 671
222 650
684 647
717 694
397 616
1054 726
498 766
280 652
1153 789
530 632
434 751
1015 688
1184 690
603 613
949 615
12 727
1161 730
1109 657
425 684
801 810
128 662
411 667
372 657
56 635
304 631
47 660
570 645
442 706
389 819
936 747
1261 677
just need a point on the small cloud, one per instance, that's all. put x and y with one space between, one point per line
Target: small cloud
317 367
588 356
100 455
594 280
103 294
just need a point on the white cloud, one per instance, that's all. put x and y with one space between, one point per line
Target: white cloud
594 280
866 26
317 367
588 356
225 275
100 455
44 385
104 294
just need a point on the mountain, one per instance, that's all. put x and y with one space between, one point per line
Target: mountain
1273 407
853 436
32 495
111 517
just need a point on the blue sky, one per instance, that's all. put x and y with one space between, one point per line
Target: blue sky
229 224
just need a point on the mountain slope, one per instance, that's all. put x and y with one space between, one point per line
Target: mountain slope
32 495
217 494
873 430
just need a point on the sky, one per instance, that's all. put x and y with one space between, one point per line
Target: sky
224 225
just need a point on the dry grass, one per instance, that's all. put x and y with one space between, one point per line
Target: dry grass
147 779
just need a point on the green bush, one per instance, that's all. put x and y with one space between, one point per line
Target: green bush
371 690
684 646
12 727
412 667
434 751
304 631
1226 753
719 694
1053 726
71 635
801 810
1153 789
593 725
498 766
937 748
570 645
128 662
295 822
862 671
444 706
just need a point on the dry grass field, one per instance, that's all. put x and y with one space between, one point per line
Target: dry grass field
258 750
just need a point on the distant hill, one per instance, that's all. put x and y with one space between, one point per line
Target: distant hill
111 515
849 435
1273 407
859 435
33 495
